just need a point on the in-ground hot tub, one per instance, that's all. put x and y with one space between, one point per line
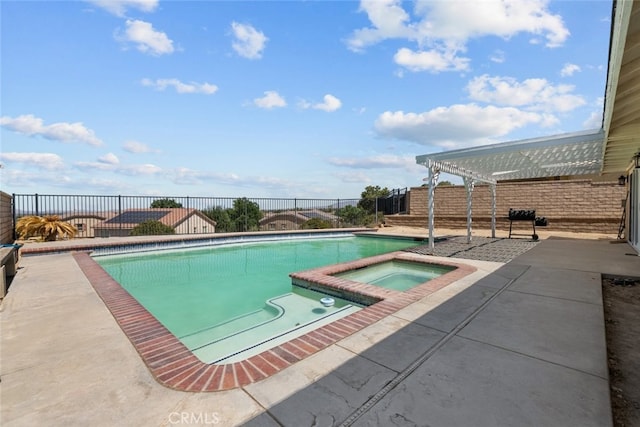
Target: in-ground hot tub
399 275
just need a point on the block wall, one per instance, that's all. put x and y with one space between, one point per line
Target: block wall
568 205
6 218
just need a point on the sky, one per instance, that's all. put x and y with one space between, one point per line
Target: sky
284 99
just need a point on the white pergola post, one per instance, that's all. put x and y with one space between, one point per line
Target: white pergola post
434 173
492 187
468 185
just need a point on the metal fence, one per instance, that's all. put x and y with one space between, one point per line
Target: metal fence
395 203
104 216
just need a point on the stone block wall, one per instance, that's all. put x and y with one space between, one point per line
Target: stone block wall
579 205
6 218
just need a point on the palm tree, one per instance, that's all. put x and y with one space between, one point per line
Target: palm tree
49 227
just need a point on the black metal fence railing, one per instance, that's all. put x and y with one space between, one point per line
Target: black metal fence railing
395 203
105 216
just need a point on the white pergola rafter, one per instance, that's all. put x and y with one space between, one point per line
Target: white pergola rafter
454 169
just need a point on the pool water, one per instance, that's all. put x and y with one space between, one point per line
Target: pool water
397 275
217 300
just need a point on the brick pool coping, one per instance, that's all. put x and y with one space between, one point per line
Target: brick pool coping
173 365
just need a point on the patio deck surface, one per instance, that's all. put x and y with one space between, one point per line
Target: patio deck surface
521 343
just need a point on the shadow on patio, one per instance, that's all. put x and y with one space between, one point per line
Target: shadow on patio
522 346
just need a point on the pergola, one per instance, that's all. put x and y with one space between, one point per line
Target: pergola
611 149
576 153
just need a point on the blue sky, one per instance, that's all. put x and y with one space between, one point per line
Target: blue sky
307 99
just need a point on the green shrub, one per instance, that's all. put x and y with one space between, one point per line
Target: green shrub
151 228
221 217
316 223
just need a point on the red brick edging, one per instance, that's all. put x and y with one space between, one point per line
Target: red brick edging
173 365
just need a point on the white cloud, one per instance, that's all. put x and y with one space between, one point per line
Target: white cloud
48 161
111 163
385 161
432 60
498 56
594 121
456 126
95 166
137 147
119 7
354 178
109 186
569 70
249 42
388 19
271 99
38 179
534 94
454 22
109 159
330 103
268 182
441 29
180 87
146 38
146 169
62 131
186 176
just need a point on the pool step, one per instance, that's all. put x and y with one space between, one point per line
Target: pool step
299 315
236 325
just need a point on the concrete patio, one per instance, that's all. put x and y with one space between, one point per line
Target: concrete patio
521 343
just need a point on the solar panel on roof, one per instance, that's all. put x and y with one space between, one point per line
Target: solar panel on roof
314 215
136 217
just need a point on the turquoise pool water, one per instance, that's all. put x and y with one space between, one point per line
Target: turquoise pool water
397 275
211 298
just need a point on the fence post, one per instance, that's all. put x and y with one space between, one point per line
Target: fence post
120 210
189 217
37 205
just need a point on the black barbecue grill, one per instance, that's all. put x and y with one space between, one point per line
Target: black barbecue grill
525 215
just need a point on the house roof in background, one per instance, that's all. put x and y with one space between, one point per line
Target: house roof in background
301 215
168 216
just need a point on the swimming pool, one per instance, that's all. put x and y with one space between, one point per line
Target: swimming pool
228 302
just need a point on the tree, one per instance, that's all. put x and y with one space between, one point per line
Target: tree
353 216
440 184
151 228
369 196
221 217
316 223
245 215
48 227
165 203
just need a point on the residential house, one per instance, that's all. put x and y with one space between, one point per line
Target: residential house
182 220
86 223
294 220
